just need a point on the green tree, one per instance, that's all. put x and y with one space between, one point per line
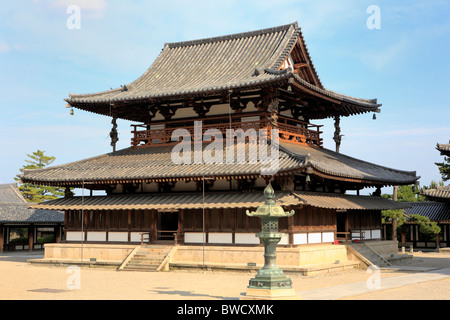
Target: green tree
426 226
444 168
409 193
37 193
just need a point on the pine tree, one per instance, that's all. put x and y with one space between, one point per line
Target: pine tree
444 168
37 193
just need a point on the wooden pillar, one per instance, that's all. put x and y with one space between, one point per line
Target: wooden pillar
414 235
233 216
2 237
394 221
108 224
403 235
86 224
290 221
180 233
448 235
30 237
438 240
129 225
154 225
58 233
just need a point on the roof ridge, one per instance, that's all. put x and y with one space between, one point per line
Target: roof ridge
231 36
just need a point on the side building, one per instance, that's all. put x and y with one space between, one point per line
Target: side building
15 215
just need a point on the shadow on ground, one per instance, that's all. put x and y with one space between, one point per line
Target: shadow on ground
21 256
181 293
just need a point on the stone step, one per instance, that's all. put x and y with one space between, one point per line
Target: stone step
140 269
370 255
147 259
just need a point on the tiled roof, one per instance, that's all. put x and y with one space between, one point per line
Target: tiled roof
10 194
14 209
348 202
167 201
444 149
435 211
205 65
332 164
220 200
439 194
149 163
240 61
153 163
20 213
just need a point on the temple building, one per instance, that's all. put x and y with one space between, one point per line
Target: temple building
214 121
437 209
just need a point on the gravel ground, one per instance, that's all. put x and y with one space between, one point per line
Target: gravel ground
21 281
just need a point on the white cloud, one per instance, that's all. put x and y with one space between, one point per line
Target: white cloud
90 8
379 58
83 4
4 48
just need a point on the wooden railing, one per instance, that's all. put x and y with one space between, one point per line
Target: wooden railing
292 130
146 237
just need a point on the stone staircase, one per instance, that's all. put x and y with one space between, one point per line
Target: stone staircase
370 255
147 258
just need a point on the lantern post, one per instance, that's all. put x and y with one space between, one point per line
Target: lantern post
270 282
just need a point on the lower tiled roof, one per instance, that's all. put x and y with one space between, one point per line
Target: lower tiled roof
348 202
332 164
222 200
155 163
165 202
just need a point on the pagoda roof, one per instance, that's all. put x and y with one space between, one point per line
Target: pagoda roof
133 165
444 149
438 194
214 66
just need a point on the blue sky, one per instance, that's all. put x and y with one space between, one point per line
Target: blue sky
404 64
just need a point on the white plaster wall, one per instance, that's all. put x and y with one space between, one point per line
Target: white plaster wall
220 238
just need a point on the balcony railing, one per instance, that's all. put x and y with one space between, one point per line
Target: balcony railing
160 133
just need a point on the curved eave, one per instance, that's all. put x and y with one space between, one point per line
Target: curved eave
87 183
102 105
444 149
348 105
363 181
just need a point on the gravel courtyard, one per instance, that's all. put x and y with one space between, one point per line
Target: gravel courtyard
21 281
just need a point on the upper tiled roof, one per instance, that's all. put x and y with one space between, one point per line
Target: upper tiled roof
206 65
239 61
144 164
